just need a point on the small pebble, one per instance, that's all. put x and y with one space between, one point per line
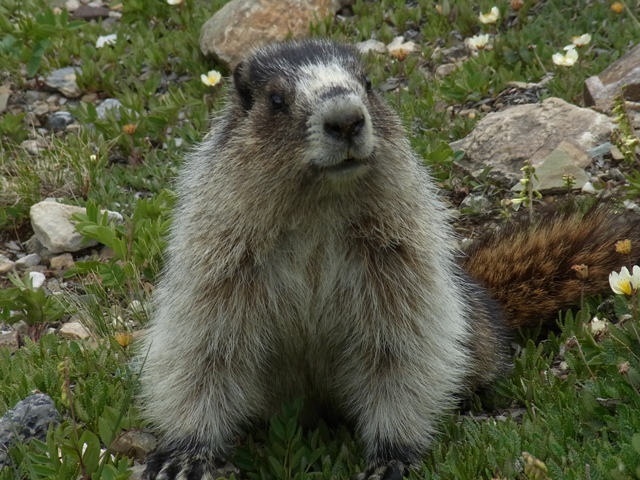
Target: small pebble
28 261
589 189
60 120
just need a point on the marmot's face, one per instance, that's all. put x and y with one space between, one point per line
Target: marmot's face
310 104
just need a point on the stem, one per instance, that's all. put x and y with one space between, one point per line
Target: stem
633 17
584 359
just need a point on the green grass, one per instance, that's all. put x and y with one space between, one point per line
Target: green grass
580 421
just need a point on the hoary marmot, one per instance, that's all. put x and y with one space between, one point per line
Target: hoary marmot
310 255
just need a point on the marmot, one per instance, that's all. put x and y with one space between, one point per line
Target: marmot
310 255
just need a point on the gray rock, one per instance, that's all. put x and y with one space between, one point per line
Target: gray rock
29 419
52 225
33 245
10 340
617 175
60 120
108 104
13 246
589 189
475 204
30 260
505 140
90 12
244 24
623 75
564 160
64 80
600 150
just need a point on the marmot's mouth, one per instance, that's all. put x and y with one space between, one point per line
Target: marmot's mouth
346 165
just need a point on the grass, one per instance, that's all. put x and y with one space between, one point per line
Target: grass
569 410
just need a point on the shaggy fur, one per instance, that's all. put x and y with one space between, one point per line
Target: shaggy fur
310 255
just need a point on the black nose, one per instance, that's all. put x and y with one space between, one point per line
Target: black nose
344 126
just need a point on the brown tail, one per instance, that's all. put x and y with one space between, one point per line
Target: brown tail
527 269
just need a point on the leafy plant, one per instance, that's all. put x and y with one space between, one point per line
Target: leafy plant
287 452
91 388
27 303
12 127
137 243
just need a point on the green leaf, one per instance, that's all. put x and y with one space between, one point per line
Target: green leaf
91 455
276 467
635 442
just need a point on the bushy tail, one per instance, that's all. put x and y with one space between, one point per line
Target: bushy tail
528 268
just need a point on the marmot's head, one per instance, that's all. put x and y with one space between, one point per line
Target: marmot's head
310 103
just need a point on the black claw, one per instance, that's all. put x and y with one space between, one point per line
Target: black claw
169 464
395 471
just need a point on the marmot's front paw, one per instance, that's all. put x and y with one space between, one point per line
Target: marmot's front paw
394 470
181 465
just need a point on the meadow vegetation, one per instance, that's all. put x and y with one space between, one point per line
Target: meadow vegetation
571 407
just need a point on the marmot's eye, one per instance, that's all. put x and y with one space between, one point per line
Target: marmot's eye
277 102
367 83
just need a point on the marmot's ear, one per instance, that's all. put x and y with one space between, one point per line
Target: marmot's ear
241 82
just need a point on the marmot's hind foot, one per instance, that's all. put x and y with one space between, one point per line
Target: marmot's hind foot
394 470
181 465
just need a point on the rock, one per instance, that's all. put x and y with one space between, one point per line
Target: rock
6 265
60 120
31 147
4 99
74 331
623 75
134 444
475 203
30 260
39 108
445 69
600 151
53 98
72 5
62 262
617 175
31 96
10 340
64 80
89 12
22 328
52 225
29 419
589 189
243 24
37 279
505 140
108 104
13 246
33 245
616 154
567 159
90 97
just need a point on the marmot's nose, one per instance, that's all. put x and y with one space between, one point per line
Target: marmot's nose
345 126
